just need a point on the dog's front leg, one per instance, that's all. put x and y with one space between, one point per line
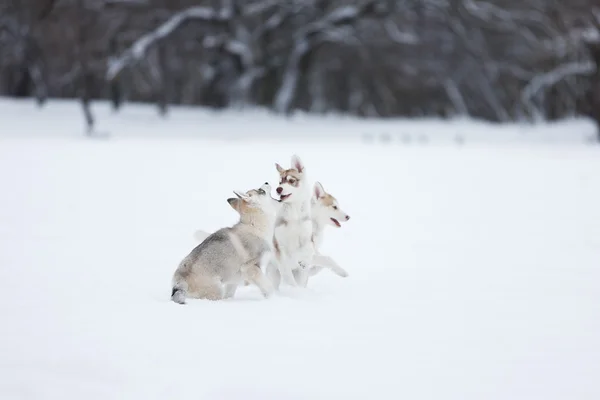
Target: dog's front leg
304 261
301 276
315 269
320 260
252 272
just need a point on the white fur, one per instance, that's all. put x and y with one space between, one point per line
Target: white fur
300 239
321 217
293 231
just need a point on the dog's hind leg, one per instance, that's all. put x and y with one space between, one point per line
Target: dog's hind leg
286 272
326 261
205 288
274 275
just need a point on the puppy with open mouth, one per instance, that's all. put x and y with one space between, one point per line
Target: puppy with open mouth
293 226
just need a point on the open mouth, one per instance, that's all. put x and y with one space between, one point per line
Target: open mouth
336 222
284 196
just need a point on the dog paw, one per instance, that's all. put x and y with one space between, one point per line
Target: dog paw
303 265
342 273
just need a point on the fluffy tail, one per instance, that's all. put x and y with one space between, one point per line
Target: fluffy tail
200 235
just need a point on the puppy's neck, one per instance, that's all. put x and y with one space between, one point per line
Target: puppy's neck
258 222
318 224
294 211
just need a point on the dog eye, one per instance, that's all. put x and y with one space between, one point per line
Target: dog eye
335 207
261 191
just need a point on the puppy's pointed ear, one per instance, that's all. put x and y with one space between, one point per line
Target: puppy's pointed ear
234 203
279 168
240 194
318 190
297 163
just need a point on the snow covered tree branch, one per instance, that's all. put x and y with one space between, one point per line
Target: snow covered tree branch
140 47
307 38
551 78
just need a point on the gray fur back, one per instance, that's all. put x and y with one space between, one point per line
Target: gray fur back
217 255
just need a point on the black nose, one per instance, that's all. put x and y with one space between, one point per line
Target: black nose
279 190
347 217
266 183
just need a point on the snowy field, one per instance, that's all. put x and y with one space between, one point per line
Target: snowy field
474 269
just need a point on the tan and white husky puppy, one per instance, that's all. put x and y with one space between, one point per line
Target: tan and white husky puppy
325 210
293 227
214 269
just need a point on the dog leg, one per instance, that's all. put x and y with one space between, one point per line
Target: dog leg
274 275
252 272
285 271
255 275
301 276
209 292
288 276
230 290
326 261
305 257
203 287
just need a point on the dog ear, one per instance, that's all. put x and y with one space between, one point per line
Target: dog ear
234 203
297 163
318 190
279 168
241 195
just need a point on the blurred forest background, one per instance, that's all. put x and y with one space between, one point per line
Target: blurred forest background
499 60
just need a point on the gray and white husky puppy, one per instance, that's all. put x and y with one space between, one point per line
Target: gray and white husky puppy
214 269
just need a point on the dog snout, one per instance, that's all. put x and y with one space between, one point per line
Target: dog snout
279 190
347 217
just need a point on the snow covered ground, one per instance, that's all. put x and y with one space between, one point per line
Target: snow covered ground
474 269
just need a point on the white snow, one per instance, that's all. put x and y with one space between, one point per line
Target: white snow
474 269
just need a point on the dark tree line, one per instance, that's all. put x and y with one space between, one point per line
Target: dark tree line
499 60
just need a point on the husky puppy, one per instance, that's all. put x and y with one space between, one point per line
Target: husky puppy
325 210
214 269
293 227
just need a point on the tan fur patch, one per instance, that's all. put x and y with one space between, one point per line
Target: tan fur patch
290 176
328 200
243 208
